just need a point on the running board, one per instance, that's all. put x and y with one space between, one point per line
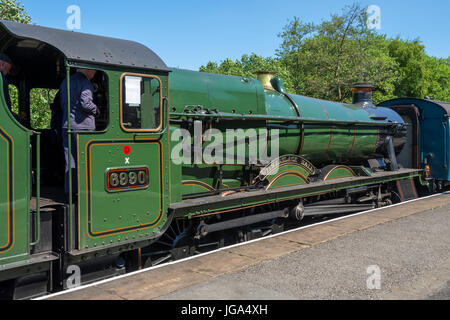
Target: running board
241 200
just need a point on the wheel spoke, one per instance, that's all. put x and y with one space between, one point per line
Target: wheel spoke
177 223
164 243
166 235
177 235
173 231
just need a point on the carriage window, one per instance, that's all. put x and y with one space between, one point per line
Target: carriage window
141 103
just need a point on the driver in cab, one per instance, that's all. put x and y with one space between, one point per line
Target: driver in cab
82 115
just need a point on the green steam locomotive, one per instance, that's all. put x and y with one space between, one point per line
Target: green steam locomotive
180 162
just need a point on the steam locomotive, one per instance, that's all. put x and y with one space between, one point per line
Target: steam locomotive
183 161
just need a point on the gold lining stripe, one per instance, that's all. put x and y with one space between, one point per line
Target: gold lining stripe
161 200
8 194
284 174
197 184
336 168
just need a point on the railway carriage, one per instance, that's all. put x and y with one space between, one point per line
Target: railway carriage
425 118
136 204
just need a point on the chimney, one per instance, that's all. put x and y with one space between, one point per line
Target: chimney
265 77
362 94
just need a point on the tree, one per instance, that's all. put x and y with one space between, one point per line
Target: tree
248 65
410 57
419 74
326 59
437 77
291 52
13 10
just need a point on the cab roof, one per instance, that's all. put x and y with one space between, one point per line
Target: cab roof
16 39
420 102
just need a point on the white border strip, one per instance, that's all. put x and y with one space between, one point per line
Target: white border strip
229 247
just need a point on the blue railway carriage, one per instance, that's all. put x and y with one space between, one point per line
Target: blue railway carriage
428 141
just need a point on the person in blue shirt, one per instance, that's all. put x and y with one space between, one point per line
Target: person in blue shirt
82 116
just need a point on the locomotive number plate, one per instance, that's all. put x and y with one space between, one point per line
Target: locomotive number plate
126 179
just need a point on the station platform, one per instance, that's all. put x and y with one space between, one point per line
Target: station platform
398 252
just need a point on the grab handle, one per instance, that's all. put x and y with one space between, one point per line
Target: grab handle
38 189
445 151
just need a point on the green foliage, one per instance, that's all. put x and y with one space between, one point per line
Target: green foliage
438 78
248 66
325 60
14 96
410 57
344 51
419 74
291 53
13 10
40 113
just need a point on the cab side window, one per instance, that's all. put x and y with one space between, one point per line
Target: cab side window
141 103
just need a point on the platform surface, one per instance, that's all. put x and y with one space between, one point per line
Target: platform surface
401 252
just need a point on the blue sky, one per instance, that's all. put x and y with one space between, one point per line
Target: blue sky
188 34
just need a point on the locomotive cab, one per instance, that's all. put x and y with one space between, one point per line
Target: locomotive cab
34 84
117 166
